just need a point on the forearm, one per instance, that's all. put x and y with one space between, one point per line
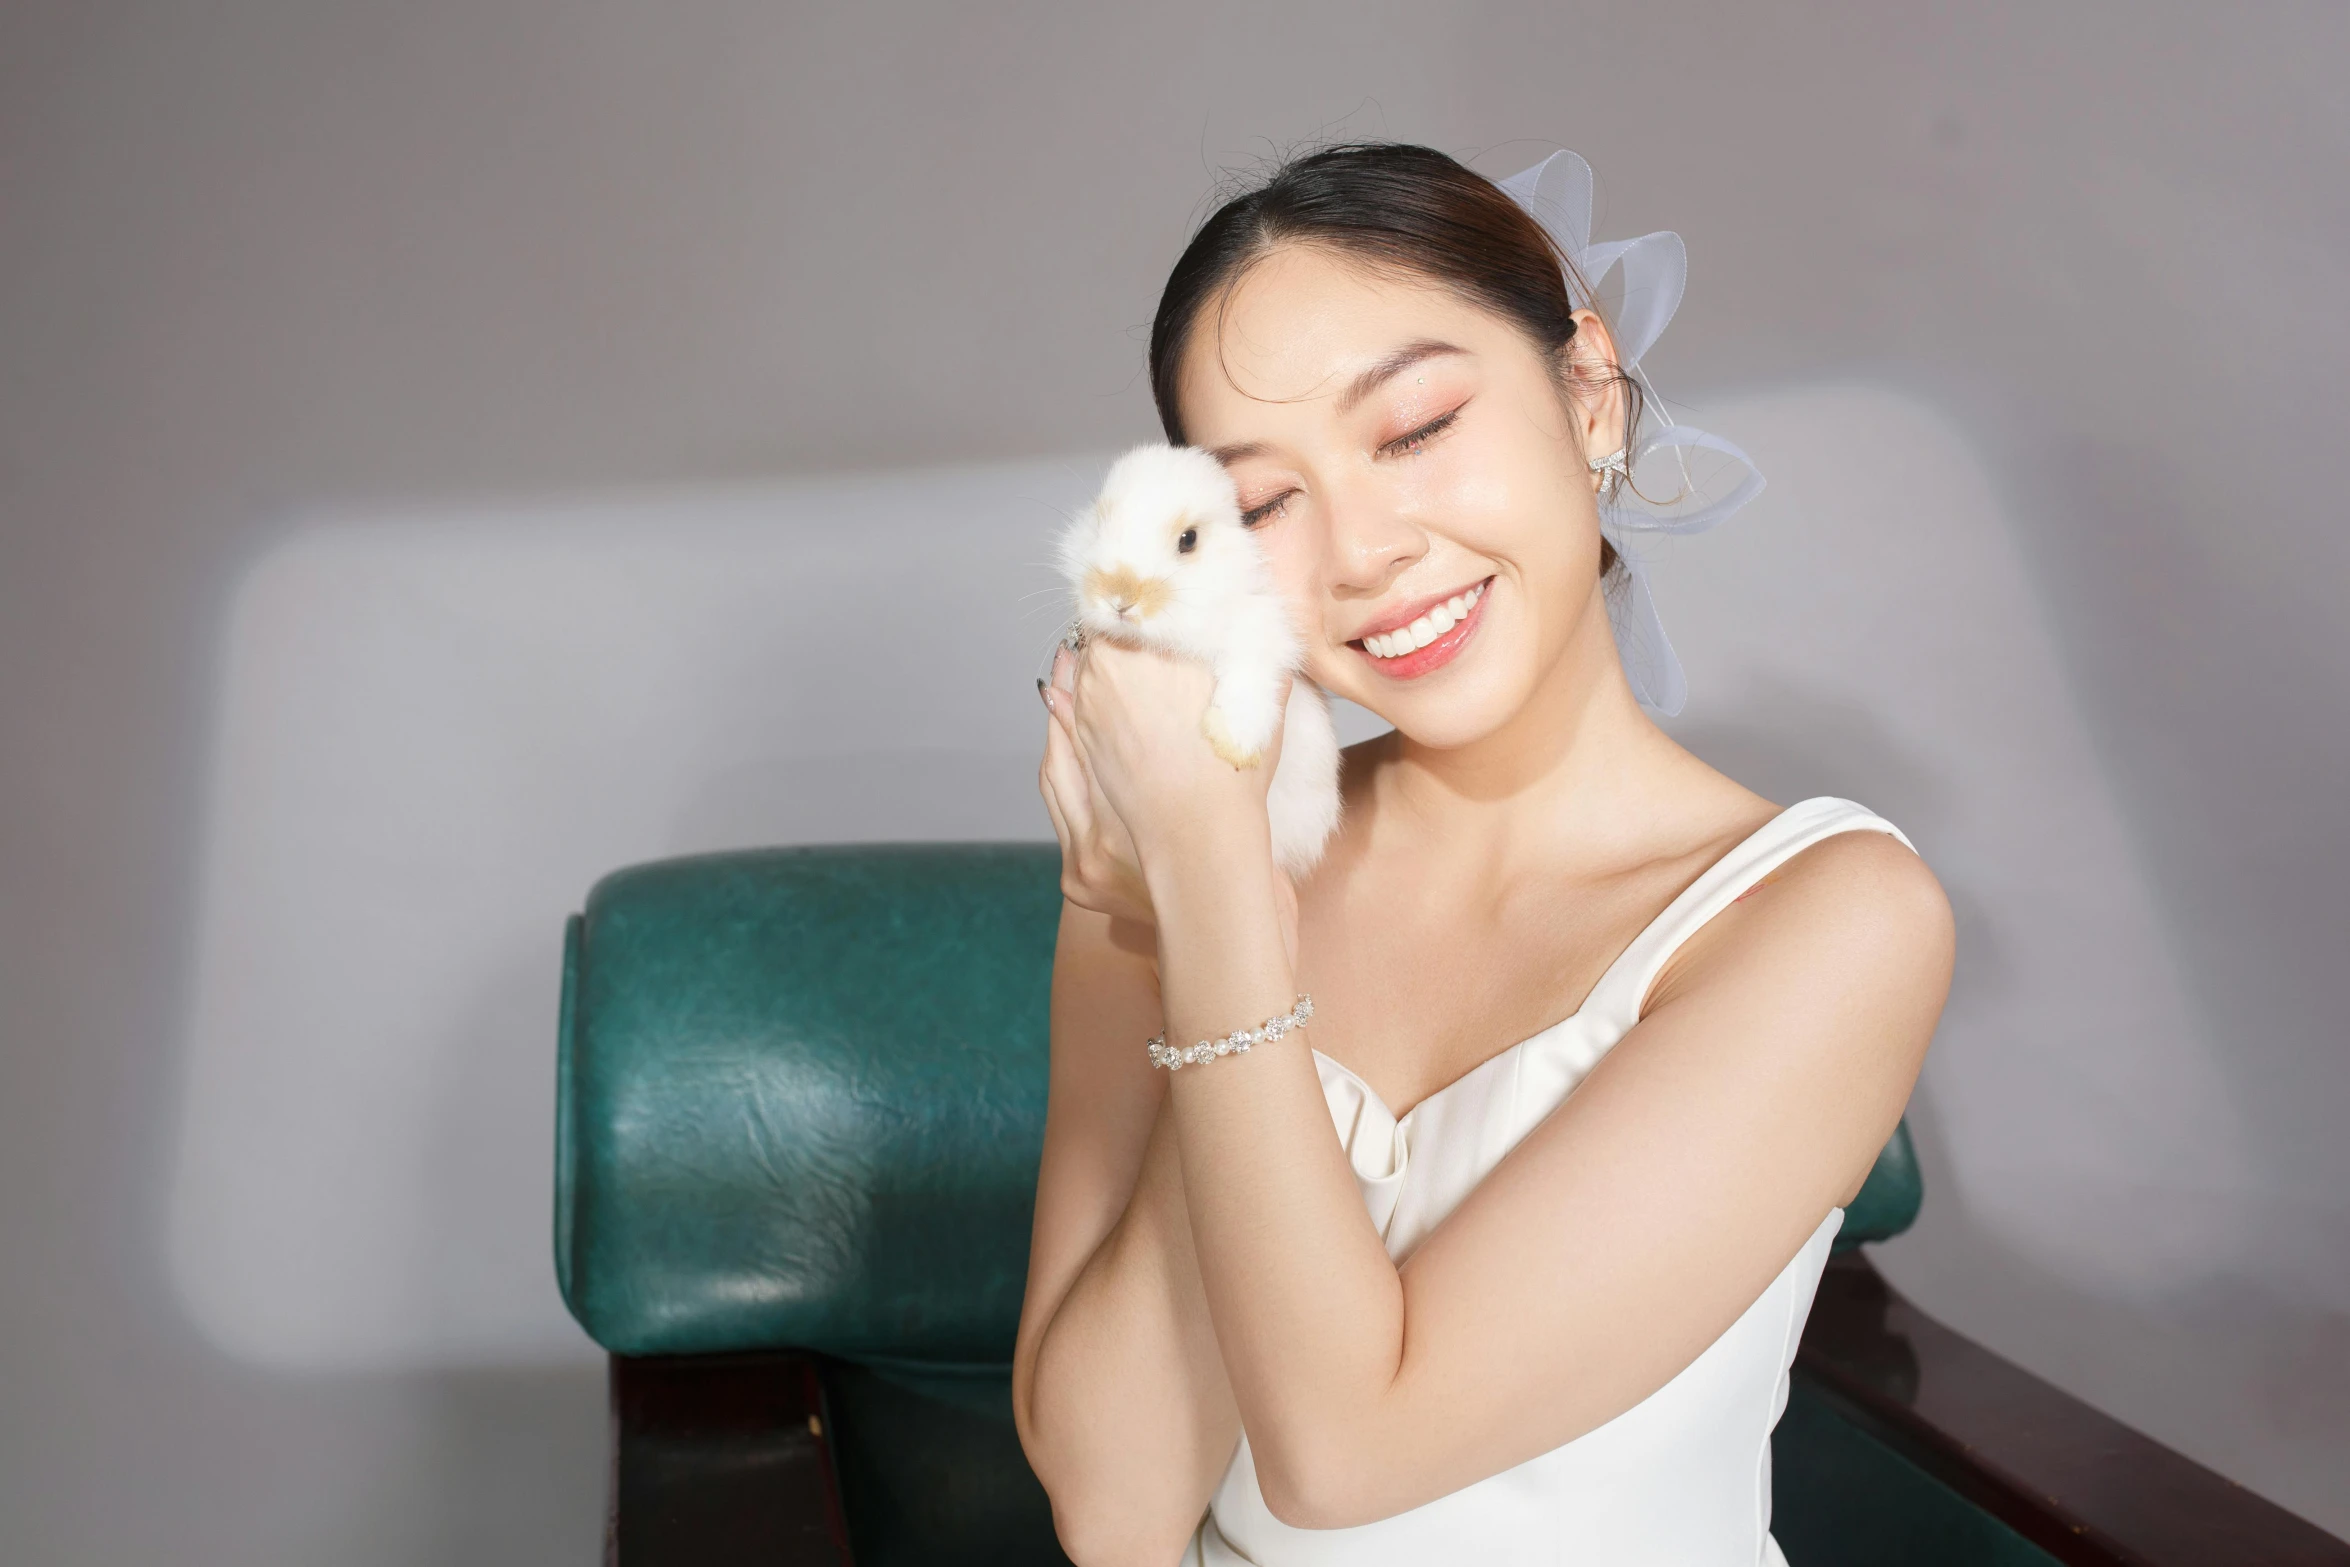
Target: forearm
1307 1306
1130 1420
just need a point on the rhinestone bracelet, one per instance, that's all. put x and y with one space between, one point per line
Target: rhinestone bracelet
1208 1049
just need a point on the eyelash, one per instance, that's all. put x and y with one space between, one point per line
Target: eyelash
1257 514
1401 446
1406 445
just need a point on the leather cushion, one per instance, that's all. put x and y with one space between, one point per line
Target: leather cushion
1889 1198
801 1100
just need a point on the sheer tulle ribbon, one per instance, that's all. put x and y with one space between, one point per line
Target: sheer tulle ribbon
1681 480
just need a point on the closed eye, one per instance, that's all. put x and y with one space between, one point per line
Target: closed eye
1264 509
1407 445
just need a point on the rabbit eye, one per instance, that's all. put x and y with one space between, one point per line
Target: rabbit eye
1188 541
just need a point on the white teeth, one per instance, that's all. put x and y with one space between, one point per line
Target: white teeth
1426 629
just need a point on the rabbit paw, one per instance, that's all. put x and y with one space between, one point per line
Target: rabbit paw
1225 743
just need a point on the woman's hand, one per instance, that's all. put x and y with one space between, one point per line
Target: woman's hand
1137 718
1099 868
1131 781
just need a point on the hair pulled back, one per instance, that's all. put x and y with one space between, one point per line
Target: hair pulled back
1394 206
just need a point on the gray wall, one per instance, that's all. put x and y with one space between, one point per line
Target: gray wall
2088 271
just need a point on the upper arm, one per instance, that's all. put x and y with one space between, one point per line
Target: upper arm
1101 1101
1642 1217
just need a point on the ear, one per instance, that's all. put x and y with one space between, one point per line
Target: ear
1597 396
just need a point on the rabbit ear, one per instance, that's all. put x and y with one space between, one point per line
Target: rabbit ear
1557 191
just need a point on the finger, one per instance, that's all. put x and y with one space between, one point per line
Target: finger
1052 808
1072 784
1058 700
1082 755
1064 668
1063 706
1045 787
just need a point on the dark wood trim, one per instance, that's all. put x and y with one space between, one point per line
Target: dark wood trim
725 1459
720 1460
2074 1481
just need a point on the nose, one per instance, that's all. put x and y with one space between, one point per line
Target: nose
1125 593
1372 542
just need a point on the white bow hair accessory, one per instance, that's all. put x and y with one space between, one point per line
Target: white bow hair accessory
1676 480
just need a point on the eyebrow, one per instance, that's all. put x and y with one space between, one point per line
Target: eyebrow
1394 364
1361 387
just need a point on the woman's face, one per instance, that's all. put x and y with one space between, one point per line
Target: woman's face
1406 456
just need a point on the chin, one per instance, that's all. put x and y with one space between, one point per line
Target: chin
1459 707
1448 720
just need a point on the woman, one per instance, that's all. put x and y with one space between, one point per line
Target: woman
1489 1321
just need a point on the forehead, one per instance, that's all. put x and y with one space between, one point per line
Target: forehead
1299 324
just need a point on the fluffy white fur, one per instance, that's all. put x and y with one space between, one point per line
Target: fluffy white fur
1212 600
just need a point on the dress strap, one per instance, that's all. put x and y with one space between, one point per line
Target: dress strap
1617 996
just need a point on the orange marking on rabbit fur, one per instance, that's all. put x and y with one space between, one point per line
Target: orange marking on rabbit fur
1122 590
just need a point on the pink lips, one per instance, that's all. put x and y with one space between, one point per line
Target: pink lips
1437 654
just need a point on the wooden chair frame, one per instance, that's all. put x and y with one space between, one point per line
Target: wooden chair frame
723 1461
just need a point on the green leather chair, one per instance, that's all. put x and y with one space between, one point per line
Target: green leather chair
800 1101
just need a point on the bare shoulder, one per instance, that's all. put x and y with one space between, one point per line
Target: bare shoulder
1853 916
1862 883
1820 987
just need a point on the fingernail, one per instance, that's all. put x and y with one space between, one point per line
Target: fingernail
1042 695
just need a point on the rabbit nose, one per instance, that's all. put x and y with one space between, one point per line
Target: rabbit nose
1127 593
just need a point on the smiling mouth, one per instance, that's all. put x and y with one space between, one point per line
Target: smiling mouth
1431 640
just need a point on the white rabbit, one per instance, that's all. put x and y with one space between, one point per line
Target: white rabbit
1161 559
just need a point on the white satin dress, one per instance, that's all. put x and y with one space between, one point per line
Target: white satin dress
1681 1478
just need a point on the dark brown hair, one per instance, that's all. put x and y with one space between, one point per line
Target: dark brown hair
1395 206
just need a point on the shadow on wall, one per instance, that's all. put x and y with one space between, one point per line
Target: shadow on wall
2254 1369
434 733
436 729
2187 609
2237 1373
899 792
2096 1209
2089 1122
465 1469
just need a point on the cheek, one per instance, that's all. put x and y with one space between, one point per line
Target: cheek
1510 506
1293 559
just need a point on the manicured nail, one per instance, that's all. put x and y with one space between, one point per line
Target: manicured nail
1042 695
